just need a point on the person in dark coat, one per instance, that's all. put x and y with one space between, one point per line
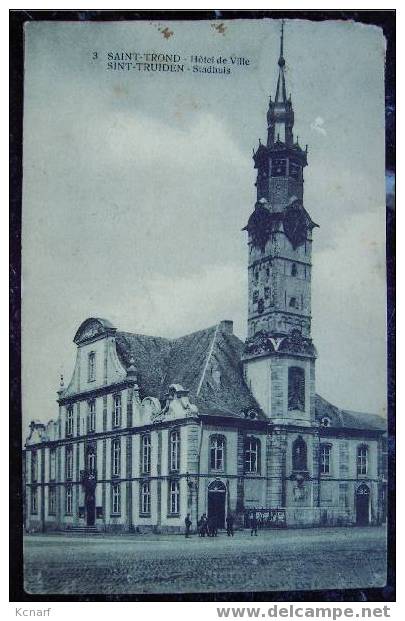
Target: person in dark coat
211 526
253 524
204 525
188 523
229 524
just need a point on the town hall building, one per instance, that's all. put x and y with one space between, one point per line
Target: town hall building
151 429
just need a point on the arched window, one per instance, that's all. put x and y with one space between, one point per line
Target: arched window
296 388
362 459
294 270
299 454
325 459
217 453
91 459
116 422
145 498
174 497
252 455
145 454
116 457
174 451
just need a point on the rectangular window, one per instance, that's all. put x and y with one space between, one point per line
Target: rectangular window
146 454
34 466
217 449
116 499
343 496
325 459
252 455
52 501
116 422
174 451
174 497
69 500
362 460
91 416
69 462
116 457
92 366
52 464
34 500
145 498
69 421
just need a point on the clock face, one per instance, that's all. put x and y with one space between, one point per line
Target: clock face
278 168
295 226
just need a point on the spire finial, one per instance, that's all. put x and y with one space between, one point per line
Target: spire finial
281 60
281 94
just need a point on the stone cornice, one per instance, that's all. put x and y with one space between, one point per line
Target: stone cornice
86 395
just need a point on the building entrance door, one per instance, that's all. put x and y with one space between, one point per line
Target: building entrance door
216 502
362 505
90 510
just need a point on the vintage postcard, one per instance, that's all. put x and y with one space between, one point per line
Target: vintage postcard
204 347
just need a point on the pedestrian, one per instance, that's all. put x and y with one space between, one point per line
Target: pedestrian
188 523
253 524
204 525
200 527
229 525
211 526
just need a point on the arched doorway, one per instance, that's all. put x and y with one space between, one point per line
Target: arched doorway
362 505
216 502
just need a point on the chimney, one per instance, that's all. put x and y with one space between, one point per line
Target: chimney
227 326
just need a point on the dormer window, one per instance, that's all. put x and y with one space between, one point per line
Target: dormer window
325 421
92 366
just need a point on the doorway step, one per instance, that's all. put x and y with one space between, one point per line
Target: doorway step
82 530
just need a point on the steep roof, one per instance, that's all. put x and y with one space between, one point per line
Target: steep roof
348 419
207 363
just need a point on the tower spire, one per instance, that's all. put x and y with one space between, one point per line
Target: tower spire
280 115
281 95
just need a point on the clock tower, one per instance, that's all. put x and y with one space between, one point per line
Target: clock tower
279 357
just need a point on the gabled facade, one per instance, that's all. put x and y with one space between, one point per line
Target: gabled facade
152 429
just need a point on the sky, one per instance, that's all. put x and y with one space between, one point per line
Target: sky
136 186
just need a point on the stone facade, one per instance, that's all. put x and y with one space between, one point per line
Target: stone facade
152 429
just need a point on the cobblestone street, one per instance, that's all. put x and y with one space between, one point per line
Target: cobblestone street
274 560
